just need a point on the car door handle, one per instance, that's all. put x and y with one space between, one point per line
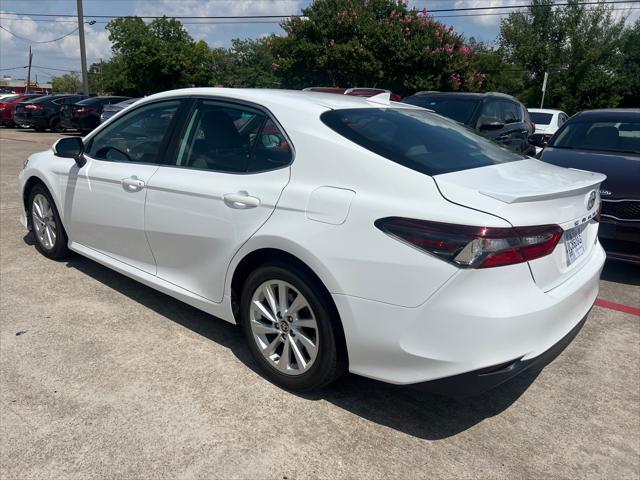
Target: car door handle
132 183
240 200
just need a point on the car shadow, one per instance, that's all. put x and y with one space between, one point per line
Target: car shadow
413 412
621 272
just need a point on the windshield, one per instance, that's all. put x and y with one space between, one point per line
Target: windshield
459 109
541 118
417 139
621 137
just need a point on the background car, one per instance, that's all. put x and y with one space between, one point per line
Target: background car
547 123
111 109
390 241
8 107
356 91
607 141
84 115
43 113
497 116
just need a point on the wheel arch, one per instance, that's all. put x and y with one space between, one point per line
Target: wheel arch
31 182
262 256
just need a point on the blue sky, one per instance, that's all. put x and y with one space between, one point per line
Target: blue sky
64 54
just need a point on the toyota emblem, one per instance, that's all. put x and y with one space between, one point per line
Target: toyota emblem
591 201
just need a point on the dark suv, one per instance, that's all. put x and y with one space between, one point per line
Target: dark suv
43 112
497 116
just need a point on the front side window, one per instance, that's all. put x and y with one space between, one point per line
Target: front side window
135 137
417 139
231 138
621 137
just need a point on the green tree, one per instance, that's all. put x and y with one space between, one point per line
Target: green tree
630 66
154 57
247 63
67 83
577 44
373 43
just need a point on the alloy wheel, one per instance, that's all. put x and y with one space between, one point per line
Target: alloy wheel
44 223
284 327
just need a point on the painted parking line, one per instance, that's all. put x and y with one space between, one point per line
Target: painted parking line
618 307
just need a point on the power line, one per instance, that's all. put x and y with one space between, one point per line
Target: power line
463 9
35 41
252 20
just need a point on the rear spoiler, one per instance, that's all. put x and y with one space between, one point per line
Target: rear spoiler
557 192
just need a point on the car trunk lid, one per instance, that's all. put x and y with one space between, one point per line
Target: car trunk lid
530 193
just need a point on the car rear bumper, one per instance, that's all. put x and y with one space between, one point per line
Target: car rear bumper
621 240
479 381
79 123
40 122
480 319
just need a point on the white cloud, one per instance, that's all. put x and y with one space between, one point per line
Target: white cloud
67 50
202 9
480 17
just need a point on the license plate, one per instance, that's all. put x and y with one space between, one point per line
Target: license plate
573 244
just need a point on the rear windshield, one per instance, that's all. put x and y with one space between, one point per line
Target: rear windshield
459 109
417 139
623 137
541 118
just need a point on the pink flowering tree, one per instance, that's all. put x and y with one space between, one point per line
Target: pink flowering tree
373 43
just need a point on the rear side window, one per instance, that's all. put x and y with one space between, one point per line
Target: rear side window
225 137
459 109
417 139
511 112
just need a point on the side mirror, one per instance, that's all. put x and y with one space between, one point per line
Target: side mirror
489 123
71 147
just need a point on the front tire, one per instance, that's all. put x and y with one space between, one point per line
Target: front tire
50 236
287 322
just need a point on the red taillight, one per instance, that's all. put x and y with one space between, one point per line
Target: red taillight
474 247
33 106
82 111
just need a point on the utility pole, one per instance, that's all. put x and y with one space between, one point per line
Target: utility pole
544 88
83 52
26 88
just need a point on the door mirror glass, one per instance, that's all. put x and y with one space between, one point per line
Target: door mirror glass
70 147
490 123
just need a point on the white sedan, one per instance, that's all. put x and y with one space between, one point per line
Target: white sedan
341 233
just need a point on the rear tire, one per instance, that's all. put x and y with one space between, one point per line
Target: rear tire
50 236
54 125
287 322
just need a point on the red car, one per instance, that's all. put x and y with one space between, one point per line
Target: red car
358 92
8 107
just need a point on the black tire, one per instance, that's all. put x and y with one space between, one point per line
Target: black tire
329 363
54 124
59 249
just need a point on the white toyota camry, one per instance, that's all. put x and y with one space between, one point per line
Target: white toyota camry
341 233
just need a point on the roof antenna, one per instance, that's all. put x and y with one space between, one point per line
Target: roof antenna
383 98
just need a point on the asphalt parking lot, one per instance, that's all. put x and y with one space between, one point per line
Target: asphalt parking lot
103 377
